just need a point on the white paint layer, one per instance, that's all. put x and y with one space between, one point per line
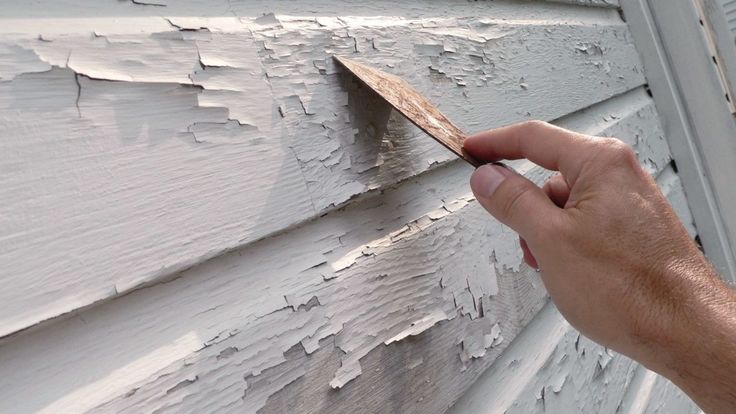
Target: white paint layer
232 225
386 269
144 145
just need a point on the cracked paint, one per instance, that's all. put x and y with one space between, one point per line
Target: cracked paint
341 282
235 97
331 223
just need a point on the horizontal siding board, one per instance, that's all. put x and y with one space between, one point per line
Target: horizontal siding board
402 376
667 398
597 3
143 150
233 333
550 368
19 9
651 393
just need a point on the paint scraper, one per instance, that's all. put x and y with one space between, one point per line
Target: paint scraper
412 104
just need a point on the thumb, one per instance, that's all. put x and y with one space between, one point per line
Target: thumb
514 201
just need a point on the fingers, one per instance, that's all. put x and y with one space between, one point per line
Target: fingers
528 255
514 201
557 190
544 144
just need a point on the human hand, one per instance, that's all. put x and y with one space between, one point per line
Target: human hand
614 257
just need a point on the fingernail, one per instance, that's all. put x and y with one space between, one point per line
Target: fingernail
487 178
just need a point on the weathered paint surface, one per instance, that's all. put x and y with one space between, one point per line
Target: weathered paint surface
359 280
147 135
552 368
565 372
650 393
350 267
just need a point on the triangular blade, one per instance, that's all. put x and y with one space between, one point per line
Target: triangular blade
412 104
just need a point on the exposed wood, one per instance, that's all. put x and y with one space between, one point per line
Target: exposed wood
410 103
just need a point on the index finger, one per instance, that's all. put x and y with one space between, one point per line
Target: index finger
544 144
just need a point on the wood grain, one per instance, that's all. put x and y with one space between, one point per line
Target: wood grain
413 105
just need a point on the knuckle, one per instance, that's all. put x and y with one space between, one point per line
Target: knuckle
535 125
619 153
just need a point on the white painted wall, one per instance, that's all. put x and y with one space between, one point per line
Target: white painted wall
201 213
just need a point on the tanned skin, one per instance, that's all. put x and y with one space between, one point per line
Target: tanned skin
614 257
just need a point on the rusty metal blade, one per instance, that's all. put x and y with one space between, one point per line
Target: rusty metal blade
412 104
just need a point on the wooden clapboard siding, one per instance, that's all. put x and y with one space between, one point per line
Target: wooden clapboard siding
338 288
229 224
551 375
650 393
143 149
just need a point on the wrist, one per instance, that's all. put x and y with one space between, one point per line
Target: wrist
696 344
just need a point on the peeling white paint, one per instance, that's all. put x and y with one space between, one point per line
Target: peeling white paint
338 231
369 275
154 110
552 368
